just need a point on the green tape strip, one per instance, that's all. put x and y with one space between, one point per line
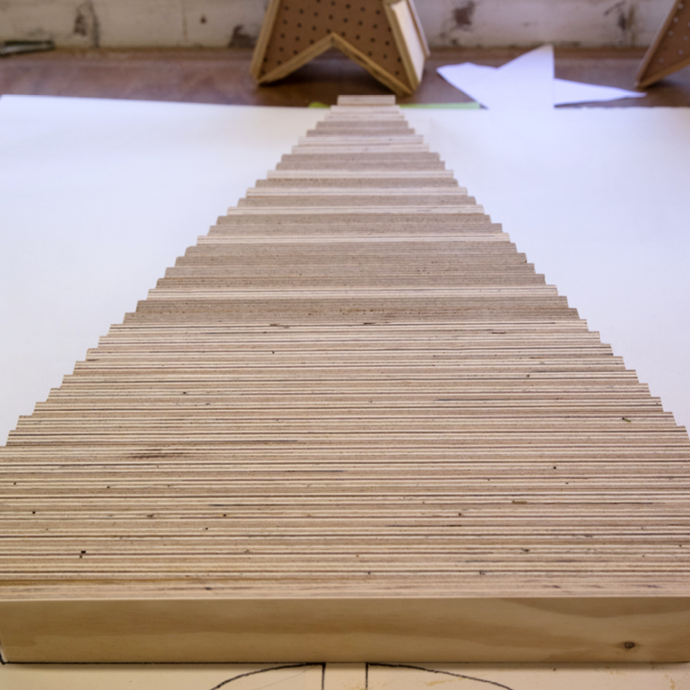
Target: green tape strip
471 105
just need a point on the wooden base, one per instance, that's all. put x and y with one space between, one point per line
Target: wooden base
349 630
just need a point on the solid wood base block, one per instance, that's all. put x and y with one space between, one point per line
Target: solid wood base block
390 629
350 424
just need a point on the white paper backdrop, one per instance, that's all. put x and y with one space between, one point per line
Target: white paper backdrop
98 197
599 200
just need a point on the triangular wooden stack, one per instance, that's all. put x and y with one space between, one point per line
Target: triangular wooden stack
350 424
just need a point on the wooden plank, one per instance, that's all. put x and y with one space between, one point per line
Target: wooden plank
255 68
367 101
408 35
211 629
670 50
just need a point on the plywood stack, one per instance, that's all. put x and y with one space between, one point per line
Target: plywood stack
350 424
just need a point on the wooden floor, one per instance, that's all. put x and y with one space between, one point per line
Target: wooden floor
222 76
351 423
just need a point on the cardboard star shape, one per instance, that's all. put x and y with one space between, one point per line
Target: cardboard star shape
383 36
671 48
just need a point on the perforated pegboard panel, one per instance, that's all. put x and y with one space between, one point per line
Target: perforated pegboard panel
364 24
671 48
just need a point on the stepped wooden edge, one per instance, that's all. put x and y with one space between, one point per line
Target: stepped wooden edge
350 424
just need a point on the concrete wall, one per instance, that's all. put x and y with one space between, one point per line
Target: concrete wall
193 23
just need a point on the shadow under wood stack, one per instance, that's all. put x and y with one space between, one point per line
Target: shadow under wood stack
350 424
383 36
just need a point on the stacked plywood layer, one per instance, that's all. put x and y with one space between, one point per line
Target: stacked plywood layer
351 423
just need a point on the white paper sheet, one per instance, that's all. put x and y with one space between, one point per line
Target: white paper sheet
526 82
97 198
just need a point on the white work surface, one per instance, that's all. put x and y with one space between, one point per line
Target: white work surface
98 197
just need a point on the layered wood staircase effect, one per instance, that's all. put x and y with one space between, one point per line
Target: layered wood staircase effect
351 424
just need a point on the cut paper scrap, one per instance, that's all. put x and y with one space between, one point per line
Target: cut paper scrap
526 82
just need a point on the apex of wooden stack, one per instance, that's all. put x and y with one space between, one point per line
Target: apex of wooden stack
351 424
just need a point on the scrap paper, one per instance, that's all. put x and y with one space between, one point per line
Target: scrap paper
526 82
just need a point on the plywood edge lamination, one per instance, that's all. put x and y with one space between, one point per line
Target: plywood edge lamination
352 423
